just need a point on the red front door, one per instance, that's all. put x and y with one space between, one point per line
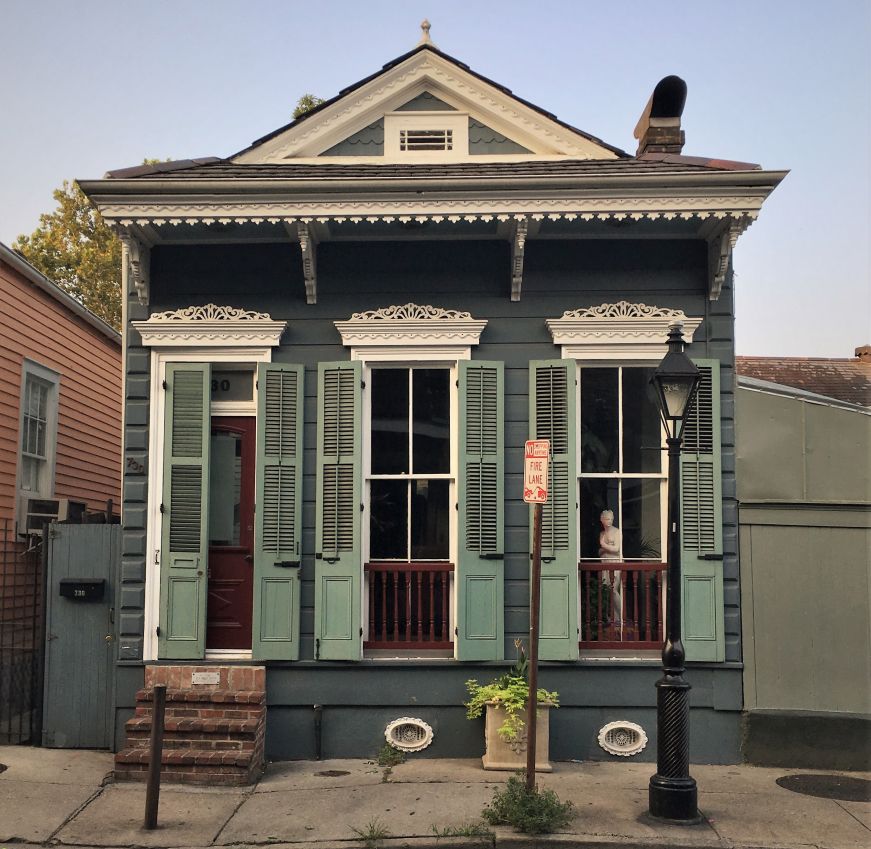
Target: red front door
231 533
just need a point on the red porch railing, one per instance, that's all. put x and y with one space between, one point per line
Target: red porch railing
409 605
622 605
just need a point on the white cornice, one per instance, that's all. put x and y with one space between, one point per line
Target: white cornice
622 330
424 71
410 325
210 326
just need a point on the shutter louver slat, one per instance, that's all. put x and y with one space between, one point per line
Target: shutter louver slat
698 433
279 503
187 417
338 496
186 502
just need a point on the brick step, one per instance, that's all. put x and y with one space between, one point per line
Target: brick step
253 697
187 757
206 743
194 771
190 725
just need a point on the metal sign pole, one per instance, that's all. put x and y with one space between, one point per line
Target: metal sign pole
534 604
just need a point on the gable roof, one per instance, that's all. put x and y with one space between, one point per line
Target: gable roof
425 68
844 379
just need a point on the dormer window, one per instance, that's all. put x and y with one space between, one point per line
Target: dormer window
426 135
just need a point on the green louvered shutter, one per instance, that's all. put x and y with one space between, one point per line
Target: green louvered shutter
338 563
185 510
480 566
277 518
701 529
552 416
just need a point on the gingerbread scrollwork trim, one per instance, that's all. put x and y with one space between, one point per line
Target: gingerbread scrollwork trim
210 312
411 324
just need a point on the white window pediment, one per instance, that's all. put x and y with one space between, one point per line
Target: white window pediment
620 331
411 331
210 326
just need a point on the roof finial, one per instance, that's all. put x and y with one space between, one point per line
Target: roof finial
424 38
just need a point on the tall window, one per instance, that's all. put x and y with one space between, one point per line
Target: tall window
622 466
410 464
38 429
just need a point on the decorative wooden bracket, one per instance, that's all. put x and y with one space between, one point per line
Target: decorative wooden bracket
518 248
138 261
719 254
308 245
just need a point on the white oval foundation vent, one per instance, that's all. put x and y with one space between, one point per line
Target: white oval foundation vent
622 738
408 734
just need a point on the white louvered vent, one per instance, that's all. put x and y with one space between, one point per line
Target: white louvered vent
185 512
481 508
279 503
187 414
408 734
622 738
418 140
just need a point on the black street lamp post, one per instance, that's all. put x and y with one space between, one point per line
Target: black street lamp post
672 794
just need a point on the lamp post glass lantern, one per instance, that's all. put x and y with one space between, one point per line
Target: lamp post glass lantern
672 794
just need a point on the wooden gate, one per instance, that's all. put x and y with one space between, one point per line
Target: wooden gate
80 635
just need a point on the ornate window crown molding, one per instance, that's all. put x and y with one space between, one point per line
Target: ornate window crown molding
210 326
411 326
623 330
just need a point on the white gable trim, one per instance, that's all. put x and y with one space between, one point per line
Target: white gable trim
424 71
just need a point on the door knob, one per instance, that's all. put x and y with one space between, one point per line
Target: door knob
249 558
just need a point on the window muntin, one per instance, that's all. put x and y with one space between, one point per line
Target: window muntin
410 463
34 430
622 466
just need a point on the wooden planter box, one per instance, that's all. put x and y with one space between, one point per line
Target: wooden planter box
511 755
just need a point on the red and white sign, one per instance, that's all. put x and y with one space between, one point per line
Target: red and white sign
535 471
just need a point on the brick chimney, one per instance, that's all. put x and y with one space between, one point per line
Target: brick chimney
863 353
658 129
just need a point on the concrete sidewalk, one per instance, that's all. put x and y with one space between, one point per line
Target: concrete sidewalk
63 797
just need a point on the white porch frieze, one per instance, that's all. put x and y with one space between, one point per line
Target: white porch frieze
210 326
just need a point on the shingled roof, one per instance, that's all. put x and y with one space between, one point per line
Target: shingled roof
844 379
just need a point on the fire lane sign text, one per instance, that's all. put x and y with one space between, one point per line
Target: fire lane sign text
535 471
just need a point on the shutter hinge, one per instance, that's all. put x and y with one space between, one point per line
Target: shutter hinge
317 648
362 507
456 505
361 630
157 630
256 384
457 384
456 631
362 384
165 385
162 509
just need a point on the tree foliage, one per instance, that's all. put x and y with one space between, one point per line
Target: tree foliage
74 247
305 104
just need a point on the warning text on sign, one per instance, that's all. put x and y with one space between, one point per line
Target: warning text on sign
535 471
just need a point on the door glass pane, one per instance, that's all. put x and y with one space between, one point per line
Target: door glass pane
431 416
388 525
597 494
599 420
641 423
232 385
429 520
641 519
389 421
225 489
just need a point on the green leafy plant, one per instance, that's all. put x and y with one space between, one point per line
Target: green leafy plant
388 756
530 811
372 833
511 692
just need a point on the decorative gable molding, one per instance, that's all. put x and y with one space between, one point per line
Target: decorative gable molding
425 70
210 326
412 326
620 331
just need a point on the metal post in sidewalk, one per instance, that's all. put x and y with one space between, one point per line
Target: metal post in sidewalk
534 612
152 792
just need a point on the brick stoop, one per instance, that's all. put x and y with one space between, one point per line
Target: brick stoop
213 733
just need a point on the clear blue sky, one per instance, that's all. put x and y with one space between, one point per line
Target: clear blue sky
100 84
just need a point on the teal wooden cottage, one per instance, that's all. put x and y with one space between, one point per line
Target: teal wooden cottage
337 341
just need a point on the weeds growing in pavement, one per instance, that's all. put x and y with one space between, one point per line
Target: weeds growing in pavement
470 829
388 756
372 833
530 811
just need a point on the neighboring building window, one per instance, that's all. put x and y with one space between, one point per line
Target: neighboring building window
621 464
38 429
410 473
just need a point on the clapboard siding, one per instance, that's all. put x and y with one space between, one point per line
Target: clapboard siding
35 326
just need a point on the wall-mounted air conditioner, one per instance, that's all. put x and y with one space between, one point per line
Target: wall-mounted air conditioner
41 511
